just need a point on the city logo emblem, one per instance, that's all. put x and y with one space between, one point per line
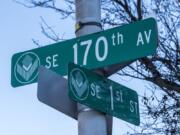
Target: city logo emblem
79 84
26 67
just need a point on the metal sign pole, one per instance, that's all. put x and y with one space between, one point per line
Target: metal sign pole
88 18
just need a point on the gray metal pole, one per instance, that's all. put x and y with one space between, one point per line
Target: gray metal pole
90 122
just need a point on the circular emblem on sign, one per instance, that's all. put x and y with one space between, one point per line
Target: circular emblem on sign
79 84
26 67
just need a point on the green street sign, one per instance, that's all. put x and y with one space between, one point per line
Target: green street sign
103 94
116 45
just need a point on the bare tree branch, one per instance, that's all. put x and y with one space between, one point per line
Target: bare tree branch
162 71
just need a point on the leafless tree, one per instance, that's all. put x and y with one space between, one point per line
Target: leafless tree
162 70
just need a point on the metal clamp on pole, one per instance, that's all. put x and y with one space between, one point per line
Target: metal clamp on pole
85 110
80 25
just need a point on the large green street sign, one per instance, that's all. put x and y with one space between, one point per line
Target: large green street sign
96 50
103 94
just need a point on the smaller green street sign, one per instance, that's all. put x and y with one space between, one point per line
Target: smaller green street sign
103 94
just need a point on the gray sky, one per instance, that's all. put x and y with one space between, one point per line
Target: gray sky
21 113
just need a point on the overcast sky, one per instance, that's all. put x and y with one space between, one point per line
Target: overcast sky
20 111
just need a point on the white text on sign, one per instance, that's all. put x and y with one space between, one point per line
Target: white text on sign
102 42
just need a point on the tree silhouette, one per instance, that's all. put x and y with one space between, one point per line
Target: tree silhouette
162 71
